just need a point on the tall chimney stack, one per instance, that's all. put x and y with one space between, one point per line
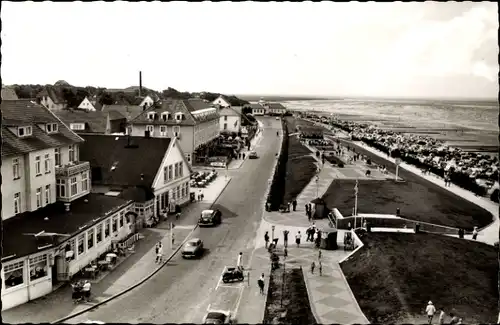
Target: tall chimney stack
140 83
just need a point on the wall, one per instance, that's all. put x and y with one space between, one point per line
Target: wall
86 104
47 102
11 186
206 131
221 102
64 152
231 121
34 181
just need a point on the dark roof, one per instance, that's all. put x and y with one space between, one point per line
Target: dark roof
139 194
24 112
9 94
95 122
276 106
55 93
129 111
115 115
230 100
229 111
97 106
143 156
81 214
255 106
185 106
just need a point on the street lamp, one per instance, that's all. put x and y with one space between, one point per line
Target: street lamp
272 231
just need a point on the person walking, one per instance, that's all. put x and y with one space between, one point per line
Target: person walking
238 263
474 233
86 290
285 253
297 239
266 238
157 248
177 216
313 265
260 282
430 310
307 210
314 236
285 238
441 316
159 255
294 205
319 255
320 268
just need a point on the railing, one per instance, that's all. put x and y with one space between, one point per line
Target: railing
72 169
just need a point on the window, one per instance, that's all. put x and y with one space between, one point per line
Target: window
115 224
163 131
90 238
121 219
225 126
61 188
29 130
17 203
106 228
46 163
181 173
150 129
176 170
225 118
15 168
21 132
38 165
47 194
51 127
77 126
165 174
127 218
170 172
81 247
57 156
177 130
38 267
173 195
73 186
85 181
71 153
99 233
39 197
13 274
178 192
151 115
165 116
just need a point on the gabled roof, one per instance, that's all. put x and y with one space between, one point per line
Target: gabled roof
97 106
95 122
129 111
255 106
17 238
55 93
131 157
276 106
23 113
9 94
229 111
173 106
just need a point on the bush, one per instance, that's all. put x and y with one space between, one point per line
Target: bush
277 189
495 197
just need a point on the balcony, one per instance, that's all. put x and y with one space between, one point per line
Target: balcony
71 169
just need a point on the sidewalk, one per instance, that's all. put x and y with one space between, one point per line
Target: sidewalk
58 304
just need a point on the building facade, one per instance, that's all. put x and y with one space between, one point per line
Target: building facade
230 120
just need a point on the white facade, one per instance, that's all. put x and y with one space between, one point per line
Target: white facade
221 102
49 103
86 105
148 101
229 120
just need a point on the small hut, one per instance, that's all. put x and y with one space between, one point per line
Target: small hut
320 210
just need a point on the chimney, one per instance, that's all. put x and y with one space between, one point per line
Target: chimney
140 83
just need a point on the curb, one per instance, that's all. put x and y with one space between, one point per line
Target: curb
145 278
311 304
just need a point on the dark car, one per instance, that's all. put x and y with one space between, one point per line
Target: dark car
193 248
210 218
253 155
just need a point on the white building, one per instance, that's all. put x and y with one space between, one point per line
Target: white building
222 101
230 120
90 105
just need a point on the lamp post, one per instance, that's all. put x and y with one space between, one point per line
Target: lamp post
272 232
397 161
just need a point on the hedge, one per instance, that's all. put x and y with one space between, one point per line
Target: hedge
277 190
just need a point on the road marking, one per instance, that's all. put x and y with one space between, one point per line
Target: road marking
185 227
219 283
238 301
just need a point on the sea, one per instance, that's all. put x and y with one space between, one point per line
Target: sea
469 125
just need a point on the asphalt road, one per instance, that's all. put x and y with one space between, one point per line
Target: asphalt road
182 291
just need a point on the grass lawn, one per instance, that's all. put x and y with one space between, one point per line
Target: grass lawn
415 201
300 168
394 276
332 159
295 298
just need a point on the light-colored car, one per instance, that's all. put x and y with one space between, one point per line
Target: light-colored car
218 317
192 248
253 155
277 118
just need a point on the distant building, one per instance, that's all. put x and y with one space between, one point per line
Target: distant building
130 112
222 101
90 105
230 119
276 109
9 94
93 122
257 109
52 98
193 122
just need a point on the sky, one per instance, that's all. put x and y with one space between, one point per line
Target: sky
351 49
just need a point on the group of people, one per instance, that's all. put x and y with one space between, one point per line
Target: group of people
309 211
81 290
432 311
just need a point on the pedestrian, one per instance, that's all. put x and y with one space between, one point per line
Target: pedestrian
157 248
159 255
266 238
199 195
177 216
202 196
430 310
441 316
474 233
320 268
313 265
86 290
307 210
297 239
294 205
319 255
243 157
318 238
349 227
173 240
238 263
260 282
285 237
309 215
314 236
288 206
285 253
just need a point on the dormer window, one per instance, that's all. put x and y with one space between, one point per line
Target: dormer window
77 126
51 127
165 116
151 115
179 116
24 131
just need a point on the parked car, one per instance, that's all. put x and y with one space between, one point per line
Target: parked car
192 248
218 317
210 218
253 155
277 118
